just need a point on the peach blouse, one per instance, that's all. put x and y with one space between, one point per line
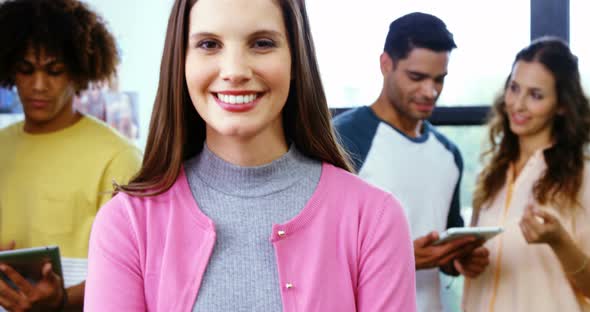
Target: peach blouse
522 276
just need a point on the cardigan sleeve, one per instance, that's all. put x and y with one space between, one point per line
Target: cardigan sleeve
387 278
115 279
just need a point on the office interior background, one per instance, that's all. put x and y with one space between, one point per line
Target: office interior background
349 37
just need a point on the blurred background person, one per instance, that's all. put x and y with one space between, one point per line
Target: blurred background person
536 185
58 165
92 102
395 147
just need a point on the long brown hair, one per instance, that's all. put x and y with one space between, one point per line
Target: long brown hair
561 182
177 132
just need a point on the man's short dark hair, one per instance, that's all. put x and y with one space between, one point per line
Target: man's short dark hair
65 29
417 30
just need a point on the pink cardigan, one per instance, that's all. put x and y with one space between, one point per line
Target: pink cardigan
349 249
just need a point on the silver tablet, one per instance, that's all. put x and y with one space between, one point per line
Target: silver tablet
480 232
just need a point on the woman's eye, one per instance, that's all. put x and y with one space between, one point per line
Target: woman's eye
536 96
208 45
513 88
264 44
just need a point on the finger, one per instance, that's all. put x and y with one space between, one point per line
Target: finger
467 263
528 234
8 246
545 216
420 242
477 256
49 275
527 220
471 274
481 252
455 244
532 204
536 224
467 246
453 250
9 298
475 264
479 243
477 261
453 255
426 240
475 270
524 231
431 238
459 266
11 245
434 235
476 246
528 215
534 218
22 284
6 303
424 256
46 269
466 270
466 251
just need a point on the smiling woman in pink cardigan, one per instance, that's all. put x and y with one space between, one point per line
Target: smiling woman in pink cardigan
245 202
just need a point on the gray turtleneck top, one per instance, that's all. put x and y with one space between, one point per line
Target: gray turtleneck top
244 203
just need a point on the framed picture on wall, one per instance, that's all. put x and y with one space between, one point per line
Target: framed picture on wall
9 102
11 110
118 109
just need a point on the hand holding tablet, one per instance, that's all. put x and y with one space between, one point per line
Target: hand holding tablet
480 232
29 262
34 279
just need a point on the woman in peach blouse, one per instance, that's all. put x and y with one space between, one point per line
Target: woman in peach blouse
536 185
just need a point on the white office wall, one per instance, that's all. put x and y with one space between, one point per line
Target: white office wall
349 37
350 34
139 27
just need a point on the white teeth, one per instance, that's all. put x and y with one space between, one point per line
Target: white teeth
236 99
519 117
